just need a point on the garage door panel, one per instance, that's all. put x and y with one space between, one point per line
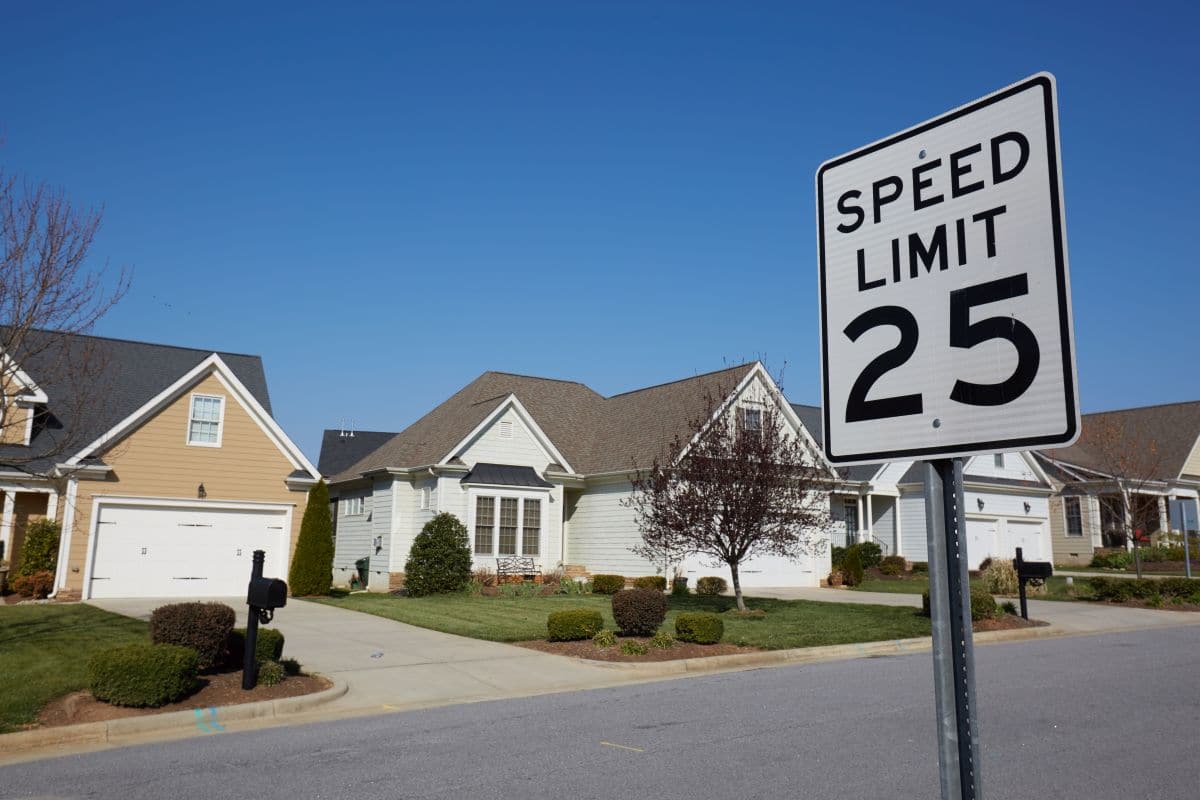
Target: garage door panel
150 551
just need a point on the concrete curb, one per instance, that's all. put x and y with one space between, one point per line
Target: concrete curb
117 730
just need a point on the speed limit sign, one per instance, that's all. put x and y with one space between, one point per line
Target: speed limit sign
945 297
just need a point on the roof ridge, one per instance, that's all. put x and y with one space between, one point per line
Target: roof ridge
1143 408
537 378
360 430
681 380
207 350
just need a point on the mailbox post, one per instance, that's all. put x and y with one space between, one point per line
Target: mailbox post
1028 570
263 596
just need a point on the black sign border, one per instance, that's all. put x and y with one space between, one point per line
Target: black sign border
1046 84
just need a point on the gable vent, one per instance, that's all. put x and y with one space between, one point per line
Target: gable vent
506 429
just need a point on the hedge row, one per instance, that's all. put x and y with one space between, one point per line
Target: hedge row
143 675
1119 590
573 624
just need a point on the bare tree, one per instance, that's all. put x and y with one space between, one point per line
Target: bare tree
49 295
742 486
1130 470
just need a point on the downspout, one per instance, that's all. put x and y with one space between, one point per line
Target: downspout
64 541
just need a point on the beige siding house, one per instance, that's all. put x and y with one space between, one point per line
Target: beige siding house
166 491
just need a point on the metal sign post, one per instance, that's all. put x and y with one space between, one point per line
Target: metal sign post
953 646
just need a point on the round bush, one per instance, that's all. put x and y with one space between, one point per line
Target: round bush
639 612
573 624
983 605
440 559
852 568
607 584
1000 577
268 645
271 673
711 585
39 553
143 675
38 585
699 627
651 582
204 627
870 554
892 565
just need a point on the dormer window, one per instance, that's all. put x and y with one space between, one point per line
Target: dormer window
204 421
751 421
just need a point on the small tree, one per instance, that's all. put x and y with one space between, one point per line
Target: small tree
39 553
743 486
440 559
312 564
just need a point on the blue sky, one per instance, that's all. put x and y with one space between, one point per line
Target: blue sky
387 199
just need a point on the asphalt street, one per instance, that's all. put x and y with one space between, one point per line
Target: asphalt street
1094 717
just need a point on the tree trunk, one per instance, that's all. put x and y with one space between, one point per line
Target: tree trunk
737 587
1137 556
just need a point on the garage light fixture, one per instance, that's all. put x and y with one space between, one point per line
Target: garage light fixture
200 492
1028 507
979 500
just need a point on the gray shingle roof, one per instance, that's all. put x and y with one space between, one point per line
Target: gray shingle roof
814 421
127 375
1172 429
504 475
594 433
339 450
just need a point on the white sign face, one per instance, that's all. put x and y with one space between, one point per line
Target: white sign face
945 300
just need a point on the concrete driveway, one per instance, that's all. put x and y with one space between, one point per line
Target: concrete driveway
389 665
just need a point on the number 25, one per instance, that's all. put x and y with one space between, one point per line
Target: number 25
964 334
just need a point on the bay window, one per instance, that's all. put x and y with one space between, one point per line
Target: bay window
507 525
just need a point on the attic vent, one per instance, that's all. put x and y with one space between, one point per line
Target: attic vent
506 429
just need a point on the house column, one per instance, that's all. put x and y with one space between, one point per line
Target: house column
896 525
870 522
1164 523
858 525
6 522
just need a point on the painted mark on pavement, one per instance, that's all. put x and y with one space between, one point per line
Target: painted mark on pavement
623 747
210 725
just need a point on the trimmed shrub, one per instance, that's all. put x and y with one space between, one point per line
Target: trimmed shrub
892 565
711 585
651 582
632 647
605 639
607 584
639 612
870 554
920 567
679 588
699 627
143 675
836 555
664 640
1186 589
1120 590
1000 577
440 559
311 572
852 568
38 585
1112 559
268 646
983 605
204 627
573 624
271 673
39 553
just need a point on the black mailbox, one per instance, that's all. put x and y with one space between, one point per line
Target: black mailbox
1035 569
269 593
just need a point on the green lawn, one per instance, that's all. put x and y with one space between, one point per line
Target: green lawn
44 650
788 623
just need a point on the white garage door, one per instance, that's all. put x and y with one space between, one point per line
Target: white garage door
1026 534
150 551
981 541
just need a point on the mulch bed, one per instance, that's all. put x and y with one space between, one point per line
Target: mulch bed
222 689
1006 622
587 649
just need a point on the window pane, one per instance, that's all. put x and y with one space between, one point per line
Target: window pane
508 526
531 527
1074 518
484 519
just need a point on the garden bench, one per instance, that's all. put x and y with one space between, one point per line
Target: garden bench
515 565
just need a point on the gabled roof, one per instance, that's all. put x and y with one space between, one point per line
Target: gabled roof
814 420
594 433
341 448
126 375
1173 428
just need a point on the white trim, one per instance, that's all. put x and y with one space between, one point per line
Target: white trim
521 495
6 521
1066 520
180 503
187 435
29 425
34 393
1191 453
539 435
217 367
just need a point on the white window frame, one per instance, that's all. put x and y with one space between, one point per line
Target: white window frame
472 502
354 506
1067 517
187 434
998 460
426 498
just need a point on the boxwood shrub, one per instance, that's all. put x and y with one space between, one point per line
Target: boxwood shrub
267 647
1120 590
711 585
651 582
699 627
983 605
892 565
143 675
607 584
639 612
573 624
204 627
